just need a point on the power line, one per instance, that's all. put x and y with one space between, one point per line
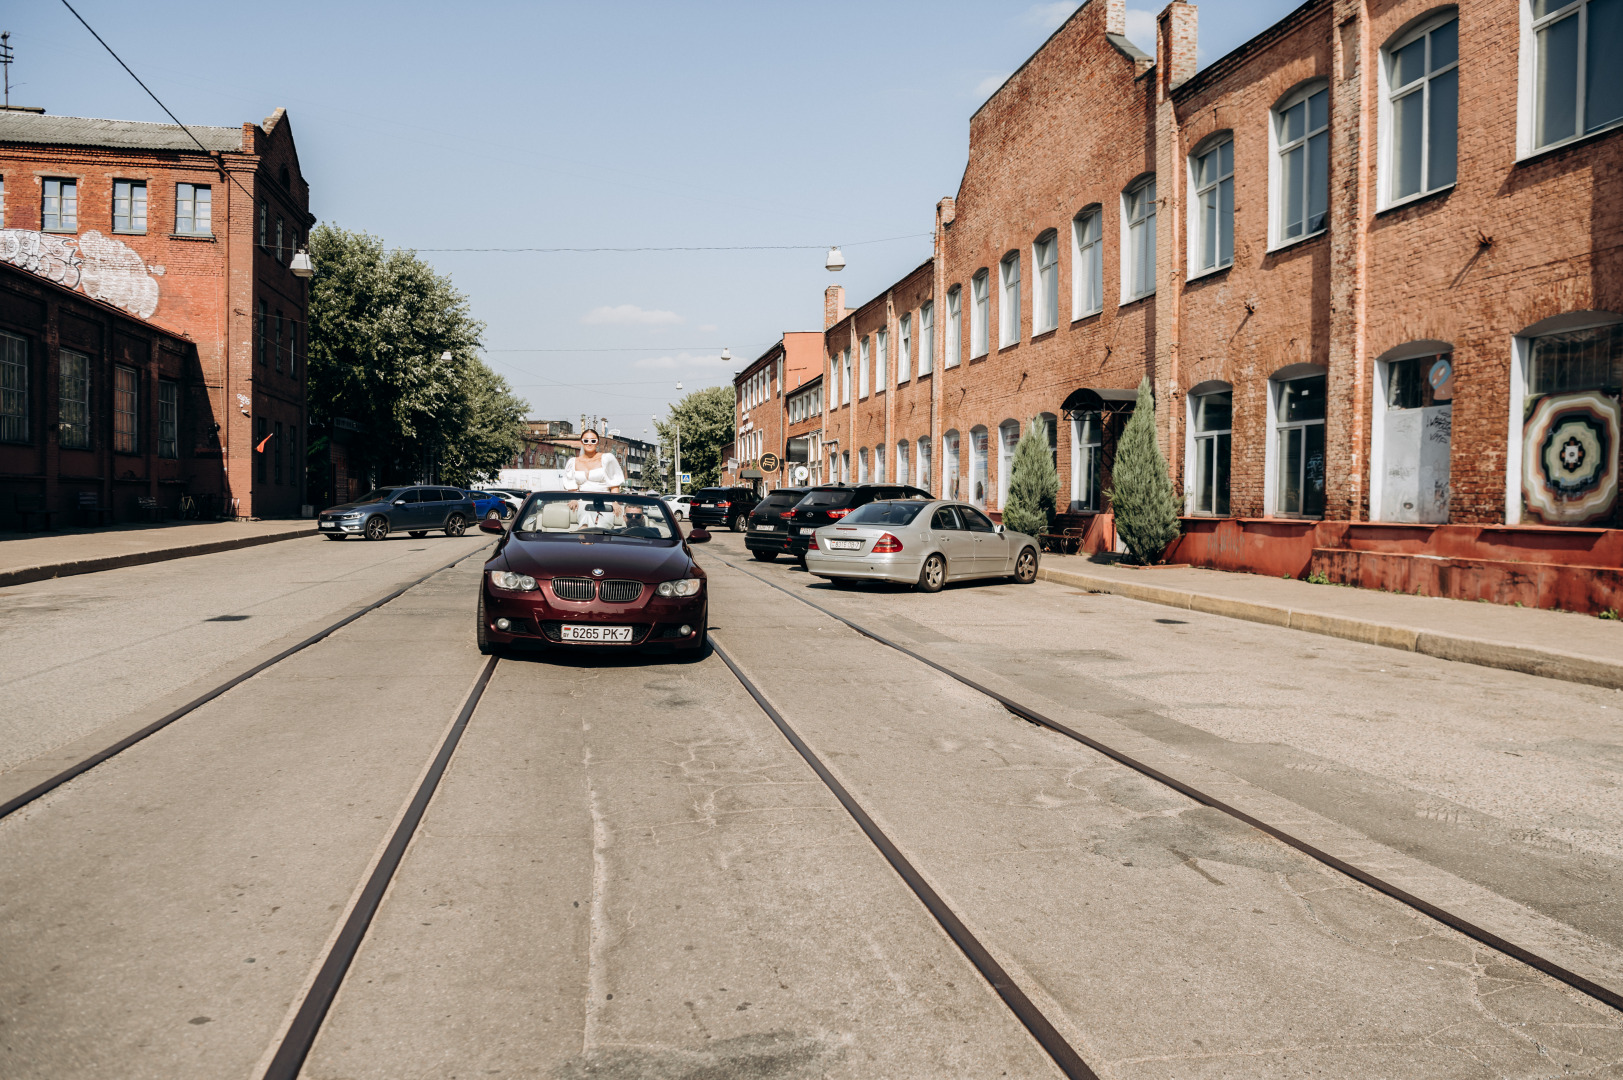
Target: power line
655 348
721 247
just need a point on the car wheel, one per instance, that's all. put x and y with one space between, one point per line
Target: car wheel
417 534
933 575
1025 567
481 631
765 556
735 523
377 527
455 525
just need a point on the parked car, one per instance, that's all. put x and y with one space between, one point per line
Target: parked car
412 509
768 535
582 569
831 502
729 506
486 501
680 504
926 544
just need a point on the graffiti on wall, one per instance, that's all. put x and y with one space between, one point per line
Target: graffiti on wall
98 266
1570 457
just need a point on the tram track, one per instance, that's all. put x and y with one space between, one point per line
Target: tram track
1564 975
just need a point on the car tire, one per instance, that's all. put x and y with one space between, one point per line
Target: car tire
1025 566
932 575
417 534
736 523
456 525
765 556
481 632
377 527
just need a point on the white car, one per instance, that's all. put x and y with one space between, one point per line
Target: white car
679 504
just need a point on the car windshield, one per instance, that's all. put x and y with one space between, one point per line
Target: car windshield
380 495
885 513
712 495
779 499
565 514
834 497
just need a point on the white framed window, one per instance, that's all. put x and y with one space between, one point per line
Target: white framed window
1138 240
1045 297
59 205
879 464
978 440
845 467
1571 75
1411 433
881 360
13 388
1211 188
980 297
864 358
1300 134
193 210
904 348
951 466
862 465
1297 407
1087 446
845 383
901 462
1087 263
1008 437
1008 310
924 475
926 337
1420 108
129 206
1211 412
955 327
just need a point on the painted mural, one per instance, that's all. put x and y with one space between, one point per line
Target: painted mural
1570 457
98 266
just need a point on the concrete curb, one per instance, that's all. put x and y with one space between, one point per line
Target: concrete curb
1593 671
45 571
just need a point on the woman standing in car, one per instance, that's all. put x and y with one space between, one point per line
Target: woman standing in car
592 471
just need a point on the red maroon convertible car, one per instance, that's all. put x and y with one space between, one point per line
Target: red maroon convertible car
584 569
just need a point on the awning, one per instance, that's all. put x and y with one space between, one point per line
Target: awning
1089 399
752 474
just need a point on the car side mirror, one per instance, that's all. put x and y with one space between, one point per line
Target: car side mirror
699 536
400 502
492 525
1000 530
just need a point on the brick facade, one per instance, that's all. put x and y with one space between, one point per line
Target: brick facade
761 418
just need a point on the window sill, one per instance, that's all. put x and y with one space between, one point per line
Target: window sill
1202 275
60 232
209 237
1001 349
978 356
1085 316
129 232
1038 335
925 375
1286 245
1544 151
1136 299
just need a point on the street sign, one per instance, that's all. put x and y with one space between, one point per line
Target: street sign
770 462
687 478
801 472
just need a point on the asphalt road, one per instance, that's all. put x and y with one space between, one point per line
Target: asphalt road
628 872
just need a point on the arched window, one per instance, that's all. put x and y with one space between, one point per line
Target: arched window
955 327
1008 310
1008 438
1570 51
863 361
1138 239
1420 107
926 337
977 465
980 289
845 467
1087 263
951 467
924 478
1296 398
879 464
1087 452
1211 193
1045 297
903 474
1410 443
862 465
1050 424
1211 410
881 360
904 348
1300 133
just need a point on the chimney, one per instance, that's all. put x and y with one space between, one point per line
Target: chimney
833 305
1175 43
1116 17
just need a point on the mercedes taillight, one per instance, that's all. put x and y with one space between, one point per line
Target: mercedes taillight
887 545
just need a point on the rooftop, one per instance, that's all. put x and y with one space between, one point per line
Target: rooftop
43 130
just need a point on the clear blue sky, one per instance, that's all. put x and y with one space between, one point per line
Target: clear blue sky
586 125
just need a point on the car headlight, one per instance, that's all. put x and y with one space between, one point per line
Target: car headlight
685 587
506 579
350 516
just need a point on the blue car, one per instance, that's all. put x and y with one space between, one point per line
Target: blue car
486 501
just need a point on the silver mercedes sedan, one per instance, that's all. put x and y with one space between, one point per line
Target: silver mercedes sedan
926 544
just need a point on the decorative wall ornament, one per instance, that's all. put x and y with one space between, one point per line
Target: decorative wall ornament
100 267
1570 457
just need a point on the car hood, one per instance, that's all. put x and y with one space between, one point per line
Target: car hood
616 558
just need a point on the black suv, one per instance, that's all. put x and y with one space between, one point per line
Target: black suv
727 506
768 535
830 502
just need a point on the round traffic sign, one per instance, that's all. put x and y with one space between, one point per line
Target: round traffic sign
770 462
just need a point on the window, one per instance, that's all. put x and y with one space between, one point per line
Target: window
955 326
879 464
1566 422
862 465
1008 437
1045 298
926 337
863 360
1138 240
1299 449
924 476
263 332
74 399
845 385
1301 134
980 288
1008 312
1087 439
1411 438
129 206
264 227
1212 173
13 388
59 206
126 396
193 207
951 466
977 466
845 467
278 341
904 349
1576 360
279 227
168 418
1211 428
1577 80
902 474
1421 118
881 360
1088 269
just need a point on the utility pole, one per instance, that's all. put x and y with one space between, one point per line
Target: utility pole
5 62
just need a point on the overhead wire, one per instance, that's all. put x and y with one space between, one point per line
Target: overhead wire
708 247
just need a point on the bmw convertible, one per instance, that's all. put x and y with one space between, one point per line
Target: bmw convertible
590 570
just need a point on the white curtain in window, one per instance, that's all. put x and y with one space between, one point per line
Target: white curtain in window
1008 319
863 360
1045 298
1008 439
924 477
1139 257
1087 277
881 360
977 466
951 483
926 337
904 349
981 301
955 327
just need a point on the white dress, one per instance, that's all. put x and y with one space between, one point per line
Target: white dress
606 474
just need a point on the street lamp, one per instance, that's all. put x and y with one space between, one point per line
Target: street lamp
836 261
301 264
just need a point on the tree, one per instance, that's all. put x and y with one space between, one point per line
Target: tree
705 418
1146 511
392 348
1033 483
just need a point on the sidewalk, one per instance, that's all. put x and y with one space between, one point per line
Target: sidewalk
37 556
1552 644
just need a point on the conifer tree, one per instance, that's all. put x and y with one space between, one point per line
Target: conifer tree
1141 495
1033 483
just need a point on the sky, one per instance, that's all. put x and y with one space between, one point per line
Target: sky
508 125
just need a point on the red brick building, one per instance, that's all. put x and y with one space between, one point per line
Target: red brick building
1369 262
197 241
761 422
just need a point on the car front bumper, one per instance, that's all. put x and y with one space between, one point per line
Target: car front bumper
903 566
537 619
334 525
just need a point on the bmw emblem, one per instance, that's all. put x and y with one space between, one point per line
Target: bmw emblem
597 571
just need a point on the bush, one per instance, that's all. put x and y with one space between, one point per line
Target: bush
1141 495
1033 483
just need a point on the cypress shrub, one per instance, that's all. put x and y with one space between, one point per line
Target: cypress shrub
1033 483
1141 492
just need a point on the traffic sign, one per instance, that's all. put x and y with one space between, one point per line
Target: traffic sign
687 478
770 462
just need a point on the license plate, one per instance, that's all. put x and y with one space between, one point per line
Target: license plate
597 633
807 532
765 528
708 506
329 525
845 545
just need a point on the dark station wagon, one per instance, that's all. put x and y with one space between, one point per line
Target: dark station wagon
767 536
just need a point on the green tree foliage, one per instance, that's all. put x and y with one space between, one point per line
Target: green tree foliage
1033 483
706 421
1146 511
381 323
